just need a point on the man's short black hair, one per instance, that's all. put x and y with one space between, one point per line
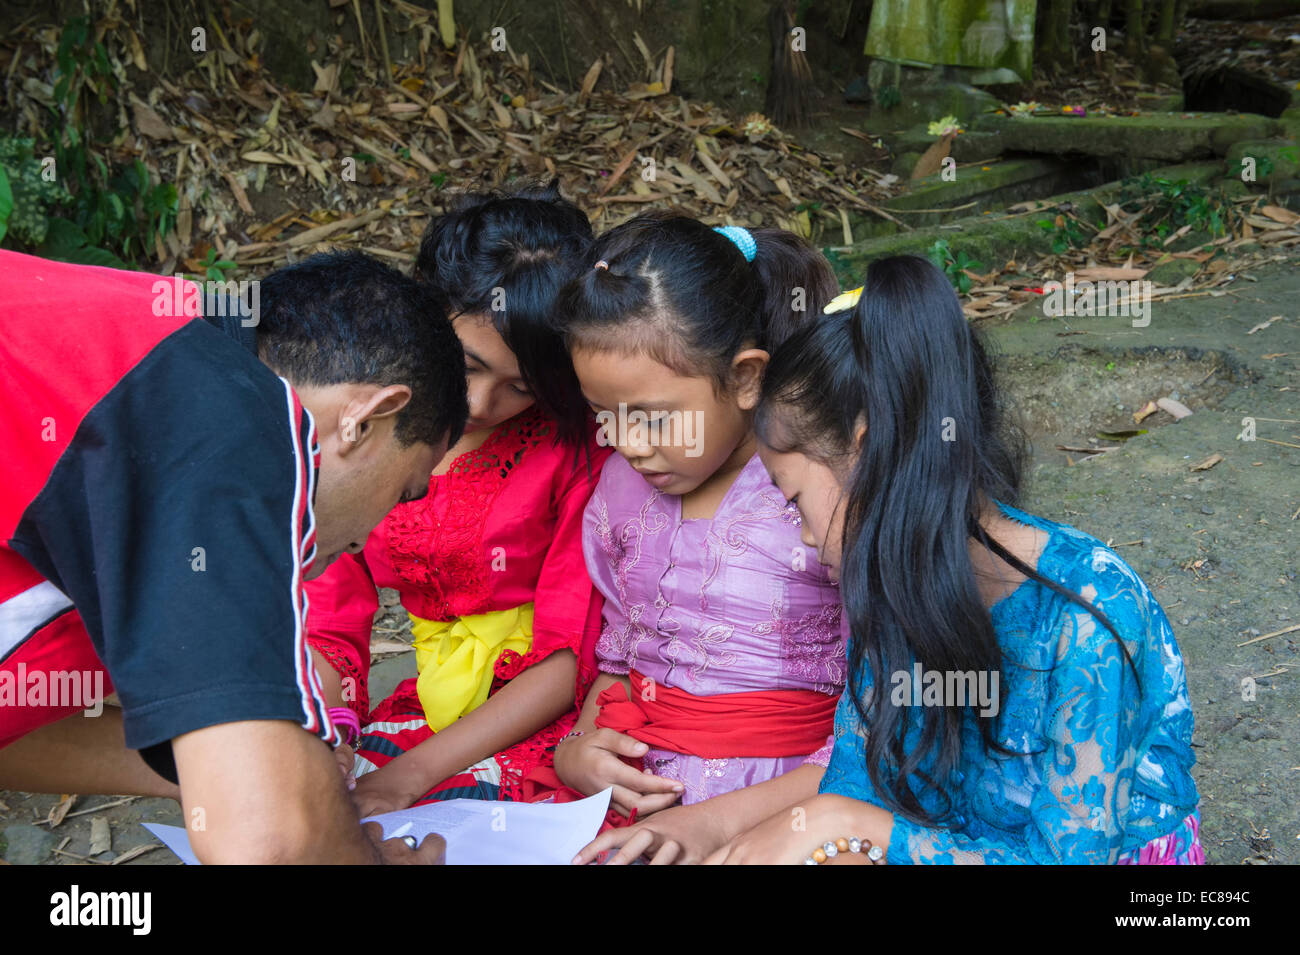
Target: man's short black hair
340 317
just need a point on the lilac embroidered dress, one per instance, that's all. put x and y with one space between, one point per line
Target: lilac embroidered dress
728 605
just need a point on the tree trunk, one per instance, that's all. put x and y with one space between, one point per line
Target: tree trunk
1062 24
1168 23
1134 40
1052 49
789 89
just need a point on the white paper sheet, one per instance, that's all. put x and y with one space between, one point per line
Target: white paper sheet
477 832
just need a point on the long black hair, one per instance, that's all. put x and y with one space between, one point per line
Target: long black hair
673 288
936 453
506 255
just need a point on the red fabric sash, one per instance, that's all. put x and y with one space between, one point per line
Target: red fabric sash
770 723
758 723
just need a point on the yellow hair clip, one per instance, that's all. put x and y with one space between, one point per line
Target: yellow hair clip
844 300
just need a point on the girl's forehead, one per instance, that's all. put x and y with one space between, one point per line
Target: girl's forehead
629 370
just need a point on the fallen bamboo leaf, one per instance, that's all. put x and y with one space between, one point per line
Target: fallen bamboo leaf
1263 325
1268 636
931 160
59 812
1208 463
589 81
148 122
1278 214
617 174
1109 274
714 169
1121 435
238 192
101 836
261 155
439 116
320 232
133 853
1175 408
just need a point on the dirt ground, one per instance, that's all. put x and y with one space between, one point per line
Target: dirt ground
1219 547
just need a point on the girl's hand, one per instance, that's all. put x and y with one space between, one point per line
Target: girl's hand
387 789
790 836
593 761
682 835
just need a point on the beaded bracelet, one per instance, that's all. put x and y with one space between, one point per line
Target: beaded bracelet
830 850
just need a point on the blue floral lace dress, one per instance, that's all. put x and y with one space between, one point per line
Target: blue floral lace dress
1105 775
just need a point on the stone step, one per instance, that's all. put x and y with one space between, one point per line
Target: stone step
991 239
1170 137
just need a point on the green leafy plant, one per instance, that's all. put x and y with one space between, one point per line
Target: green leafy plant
1168 204
1067 233
954 265
97 211
215 268
27 193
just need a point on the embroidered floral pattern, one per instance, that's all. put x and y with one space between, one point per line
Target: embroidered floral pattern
434 555
617 646
812 648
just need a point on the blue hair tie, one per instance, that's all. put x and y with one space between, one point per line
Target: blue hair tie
744 241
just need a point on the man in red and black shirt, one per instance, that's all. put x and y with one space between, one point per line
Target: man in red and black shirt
169 483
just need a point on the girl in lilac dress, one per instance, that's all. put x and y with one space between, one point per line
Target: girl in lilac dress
721 656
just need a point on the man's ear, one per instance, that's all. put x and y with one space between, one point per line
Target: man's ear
362 412
747 376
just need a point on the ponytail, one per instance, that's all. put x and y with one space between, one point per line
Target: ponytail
796 280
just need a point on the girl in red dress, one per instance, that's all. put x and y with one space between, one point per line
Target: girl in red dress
489 563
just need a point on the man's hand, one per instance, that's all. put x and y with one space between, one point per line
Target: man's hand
432 851
267 791
591 762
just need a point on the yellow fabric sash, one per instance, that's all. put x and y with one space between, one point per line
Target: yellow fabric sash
456 659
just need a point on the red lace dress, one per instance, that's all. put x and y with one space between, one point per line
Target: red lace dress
514 504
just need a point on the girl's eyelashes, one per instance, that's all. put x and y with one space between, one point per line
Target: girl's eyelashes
522 391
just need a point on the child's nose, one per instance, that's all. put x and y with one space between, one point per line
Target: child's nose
480 401
635 452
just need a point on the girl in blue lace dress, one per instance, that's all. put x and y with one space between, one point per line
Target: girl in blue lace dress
1016 692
